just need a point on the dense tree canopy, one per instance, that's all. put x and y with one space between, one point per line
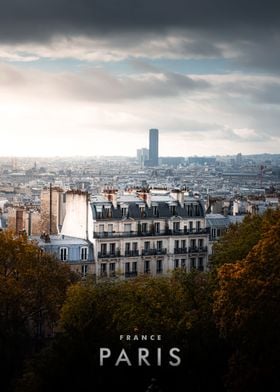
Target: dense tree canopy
247 310
225 322
32 290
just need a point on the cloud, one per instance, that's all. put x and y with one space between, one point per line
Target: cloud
38 19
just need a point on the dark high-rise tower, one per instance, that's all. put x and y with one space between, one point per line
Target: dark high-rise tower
153 147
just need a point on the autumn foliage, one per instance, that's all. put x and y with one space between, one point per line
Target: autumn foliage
225 321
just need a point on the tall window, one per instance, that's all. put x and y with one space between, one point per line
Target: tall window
112 269
159 266
103 269
144 227
157 227
103 249
147 266
127 248
112 248
192 263
84 270
176 226
84 253
159 245
176 263
63 254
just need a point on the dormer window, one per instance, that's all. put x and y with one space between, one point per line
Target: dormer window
84 253
124 211
63 254
155 210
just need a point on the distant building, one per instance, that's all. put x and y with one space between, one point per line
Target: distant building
153 147
142 156
202 160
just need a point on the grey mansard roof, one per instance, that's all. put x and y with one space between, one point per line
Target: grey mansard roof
161 207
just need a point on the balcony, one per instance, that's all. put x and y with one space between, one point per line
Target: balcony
154 252
196 249
180 251
108 255
164 233
131 253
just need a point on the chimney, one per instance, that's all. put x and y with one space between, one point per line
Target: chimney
19 221
111 195
179 196
145 195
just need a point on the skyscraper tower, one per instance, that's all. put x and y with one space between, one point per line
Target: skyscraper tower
153 147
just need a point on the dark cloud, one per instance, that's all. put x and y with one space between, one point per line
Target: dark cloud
40 19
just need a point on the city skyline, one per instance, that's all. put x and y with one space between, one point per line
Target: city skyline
83 79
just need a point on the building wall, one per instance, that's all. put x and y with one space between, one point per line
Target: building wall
76 214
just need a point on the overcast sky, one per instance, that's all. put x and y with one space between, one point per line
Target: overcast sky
90 77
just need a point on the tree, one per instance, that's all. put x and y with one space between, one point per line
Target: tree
32 290
246 308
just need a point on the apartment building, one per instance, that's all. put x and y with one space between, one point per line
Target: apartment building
145 232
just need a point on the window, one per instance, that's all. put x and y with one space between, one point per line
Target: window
200 243
193 244
183 263
112 269
176 263
173 210
144 227
147 266
84 270
176 226
159 245
124 211
198 226
134 246
157 227
159 266
112 248
200 264
127 247
147 245
155 210
192 263
63 253
127 227
84 253
103 249
110 228
176 242
103 269
127 268
191 226
183 244
101 229
134 267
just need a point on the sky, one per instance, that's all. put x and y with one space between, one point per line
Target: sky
91 77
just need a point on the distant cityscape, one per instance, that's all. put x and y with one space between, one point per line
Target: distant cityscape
123 216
